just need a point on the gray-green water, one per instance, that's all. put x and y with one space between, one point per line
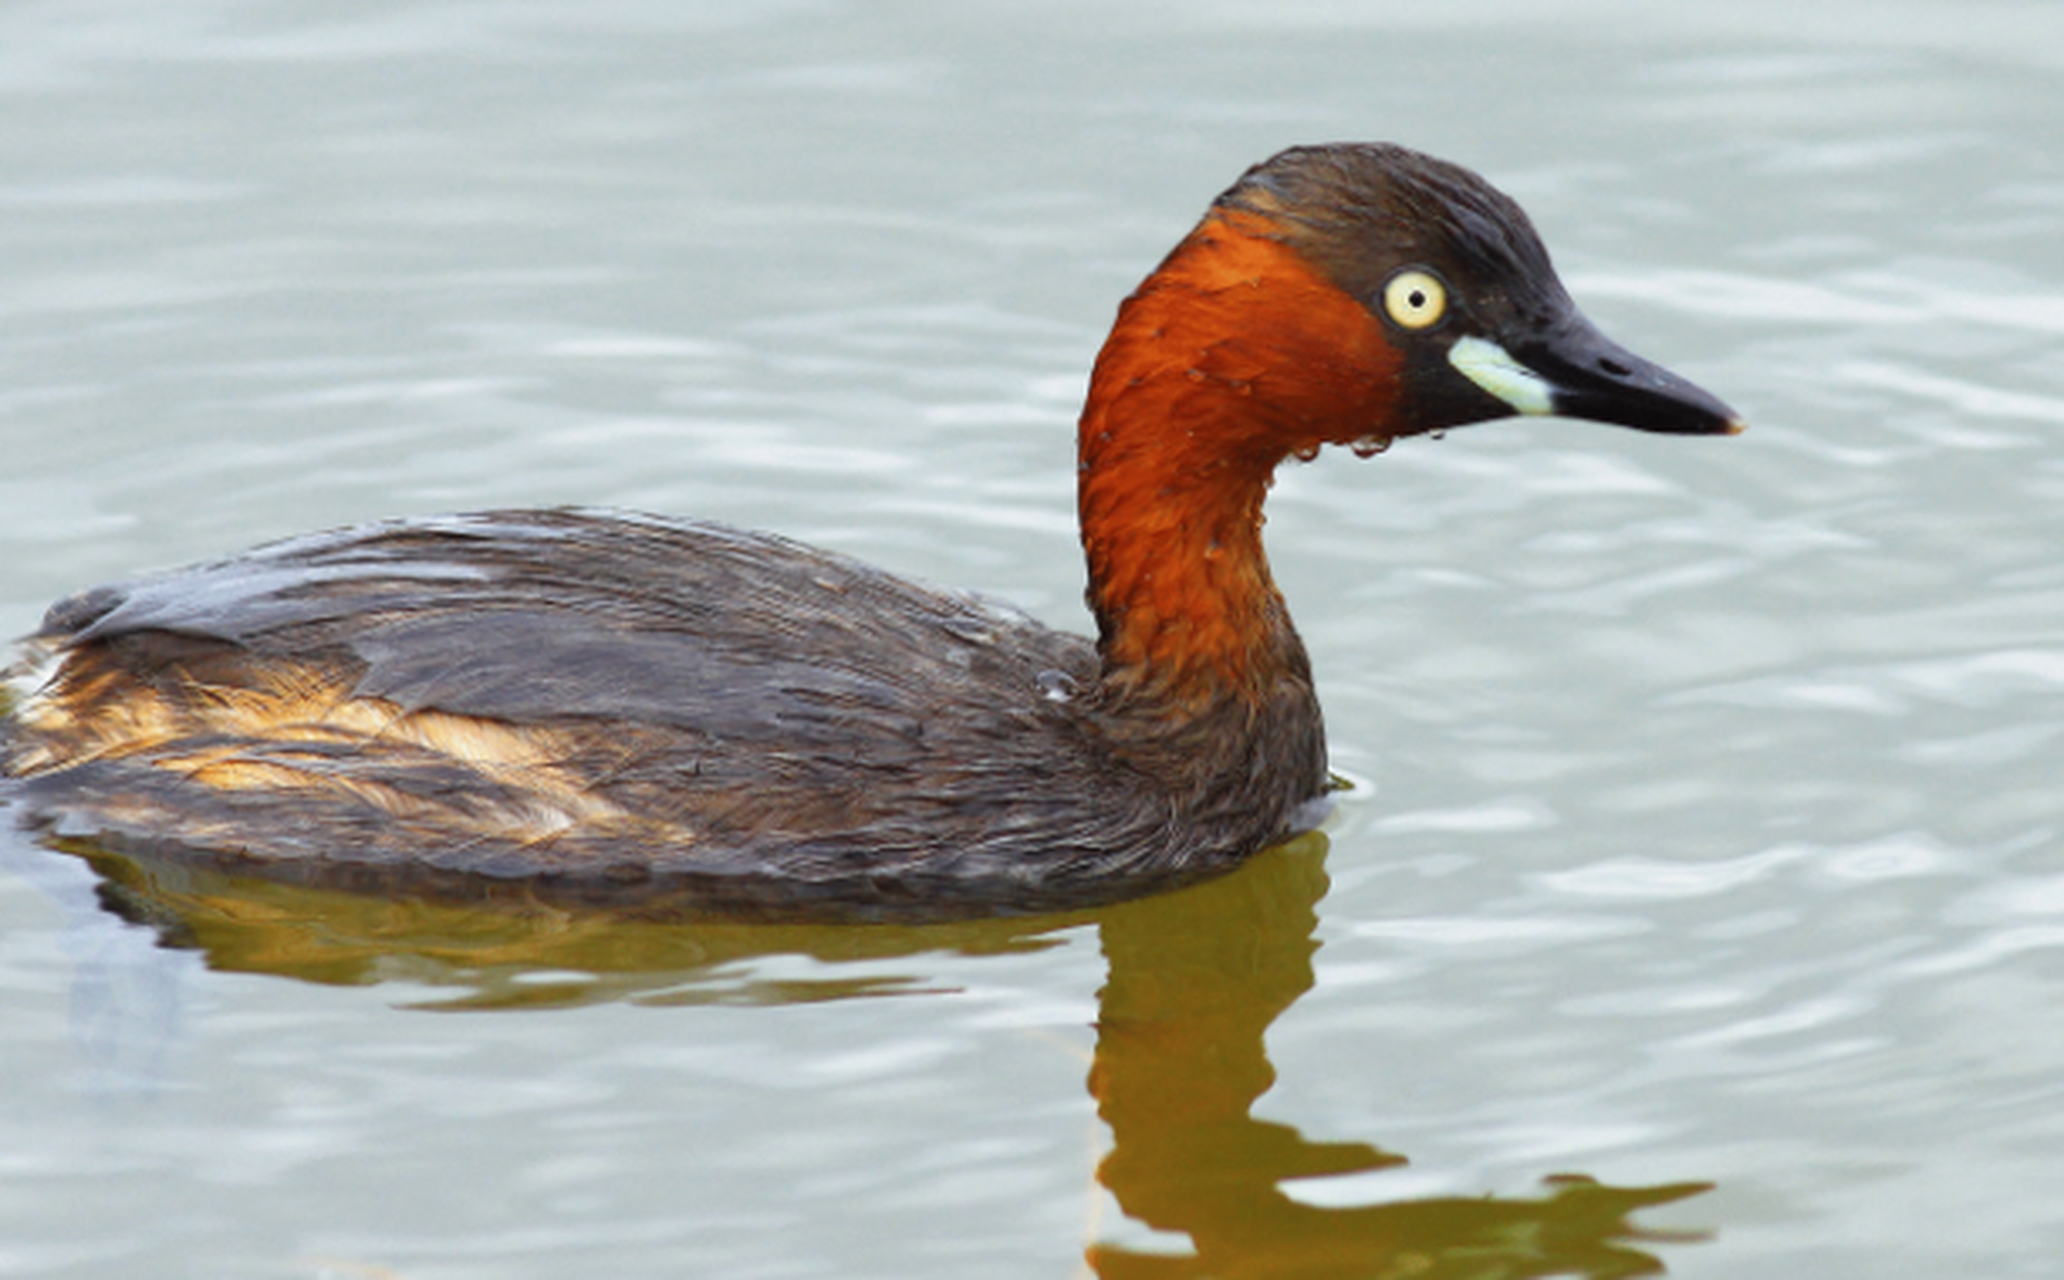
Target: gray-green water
1711 826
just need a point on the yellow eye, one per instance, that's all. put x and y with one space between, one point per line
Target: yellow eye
1415 299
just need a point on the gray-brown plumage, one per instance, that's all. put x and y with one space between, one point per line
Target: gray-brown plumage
619 700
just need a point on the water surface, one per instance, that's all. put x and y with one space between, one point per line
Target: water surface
1708 834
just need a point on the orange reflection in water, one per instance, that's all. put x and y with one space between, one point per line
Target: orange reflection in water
1195 979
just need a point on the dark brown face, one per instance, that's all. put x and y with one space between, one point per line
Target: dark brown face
1455 272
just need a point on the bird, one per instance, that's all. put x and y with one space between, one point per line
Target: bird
611 705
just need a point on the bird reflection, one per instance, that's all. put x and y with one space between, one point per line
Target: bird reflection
1195 979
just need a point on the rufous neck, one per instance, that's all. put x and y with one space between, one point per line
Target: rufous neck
1232 355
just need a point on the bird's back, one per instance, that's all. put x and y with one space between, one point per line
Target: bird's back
591 697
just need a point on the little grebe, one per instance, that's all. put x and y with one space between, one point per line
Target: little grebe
599 703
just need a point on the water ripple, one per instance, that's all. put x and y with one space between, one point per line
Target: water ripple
1654 878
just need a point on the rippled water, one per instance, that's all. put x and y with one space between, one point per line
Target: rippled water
1709 826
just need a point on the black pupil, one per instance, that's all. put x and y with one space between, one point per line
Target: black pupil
1417 298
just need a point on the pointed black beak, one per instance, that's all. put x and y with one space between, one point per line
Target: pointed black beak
1593 377
1577 372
